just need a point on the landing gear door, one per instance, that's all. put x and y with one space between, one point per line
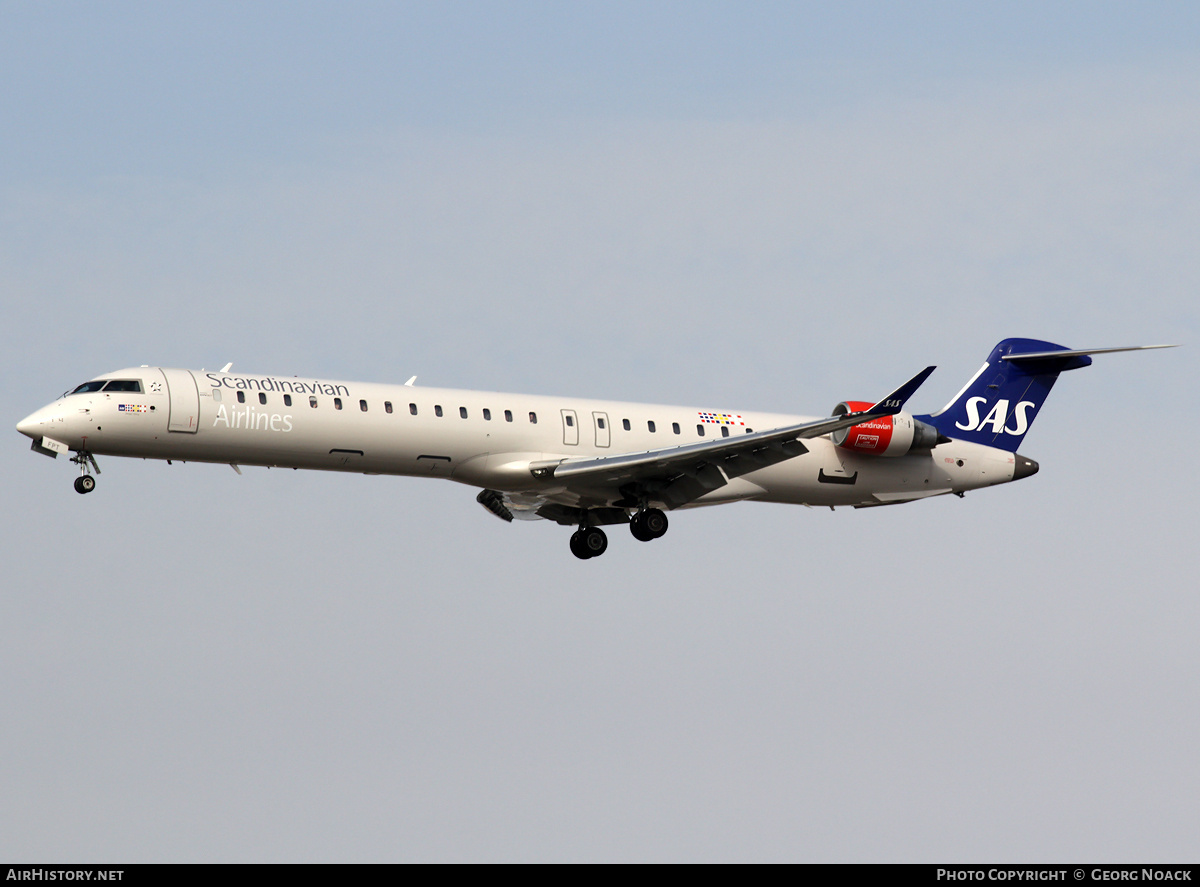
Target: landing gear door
185 401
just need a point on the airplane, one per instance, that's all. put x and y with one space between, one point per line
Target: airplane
577 462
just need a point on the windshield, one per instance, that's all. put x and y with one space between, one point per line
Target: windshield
107 385
89 386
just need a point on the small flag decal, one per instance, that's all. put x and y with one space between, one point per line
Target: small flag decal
721 419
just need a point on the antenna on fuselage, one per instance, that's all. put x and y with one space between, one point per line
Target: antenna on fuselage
225 368
410 382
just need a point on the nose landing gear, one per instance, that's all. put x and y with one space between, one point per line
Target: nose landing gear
85 483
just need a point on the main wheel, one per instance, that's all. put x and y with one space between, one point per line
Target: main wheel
654 522
577 548
595 542
637 526
85 483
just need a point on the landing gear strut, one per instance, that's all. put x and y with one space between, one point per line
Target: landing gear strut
648 524
85 483
588 542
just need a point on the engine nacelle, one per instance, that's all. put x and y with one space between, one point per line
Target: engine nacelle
896 435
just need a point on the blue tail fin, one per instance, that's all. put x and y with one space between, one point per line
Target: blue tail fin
1000 402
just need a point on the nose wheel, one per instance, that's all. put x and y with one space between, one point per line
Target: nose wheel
85 483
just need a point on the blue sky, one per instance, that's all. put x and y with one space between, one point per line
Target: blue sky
772 207
190 89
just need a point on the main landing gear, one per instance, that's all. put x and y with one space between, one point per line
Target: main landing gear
647 524
588 542
85 483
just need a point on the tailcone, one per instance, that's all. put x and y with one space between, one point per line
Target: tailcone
1024 467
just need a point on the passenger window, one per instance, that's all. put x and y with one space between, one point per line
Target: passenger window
287 400
312 402
241 397
508 415
437 410
362 405
462 412
217 395
412 408
387 406
599 423
700 430
675 427
625 424
570 421
532 418
724 431
337 403
262 398
650 425
487 415
749 430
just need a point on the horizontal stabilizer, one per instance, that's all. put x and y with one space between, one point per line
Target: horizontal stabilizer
1081 352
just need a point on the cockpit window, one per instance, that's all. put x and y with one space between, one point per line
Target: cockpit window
87 387
124 385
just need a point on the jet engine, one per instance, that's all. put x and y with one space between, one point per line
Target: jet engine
896 435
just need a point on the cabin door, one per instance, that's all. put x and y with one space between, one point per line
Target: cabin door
184 412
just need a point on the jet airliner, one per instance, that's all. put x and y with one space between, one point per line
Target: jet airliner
578 462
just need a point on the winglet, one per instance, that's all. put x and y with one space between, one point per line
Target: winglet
894 402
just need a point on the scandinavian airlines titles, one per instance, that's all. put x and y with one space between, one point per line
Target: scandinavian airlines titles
997 416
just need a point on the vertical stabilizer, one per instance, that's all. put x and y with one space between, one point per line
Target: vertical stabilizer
999 403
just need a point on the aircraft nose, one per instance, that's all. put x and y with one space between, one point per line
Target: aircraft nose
1024 467
34 425
29 425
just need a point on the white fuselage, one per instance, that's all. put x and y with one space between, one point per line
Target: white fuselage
484 439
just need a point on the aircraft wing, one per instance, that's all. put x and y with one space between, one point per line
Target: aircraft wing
682 474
